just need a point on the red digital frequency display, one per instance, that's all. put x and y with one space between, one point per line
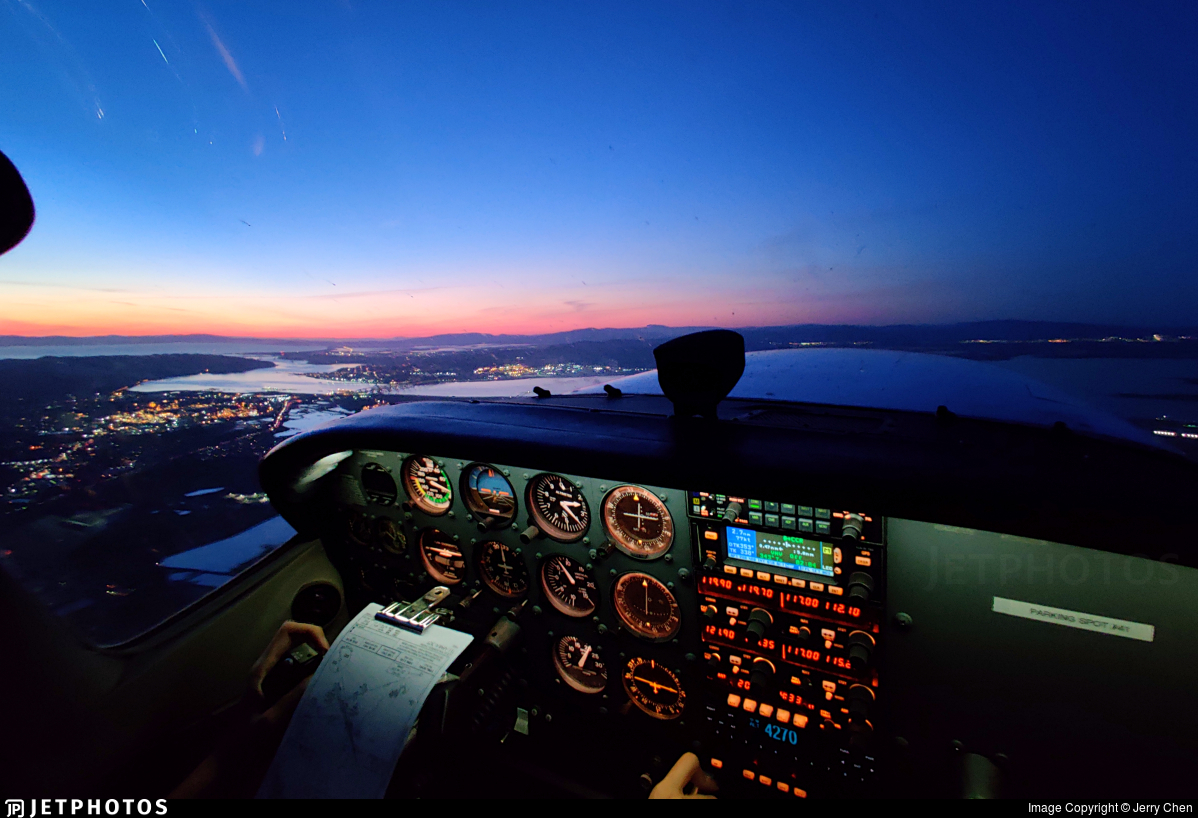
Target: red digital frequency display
785 600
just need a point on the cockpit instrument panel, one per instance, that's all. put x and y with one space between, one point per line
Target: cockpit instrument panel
712 621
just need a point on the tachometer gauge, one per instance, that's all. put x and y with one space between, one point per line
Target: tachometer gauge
579 665
654 688
441 557
568 586
378 485
427 485
637 522
389 536
487 493
646 607
558 507
503 569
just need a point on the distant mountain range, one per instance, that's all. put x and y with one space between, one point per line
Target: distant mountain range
895 335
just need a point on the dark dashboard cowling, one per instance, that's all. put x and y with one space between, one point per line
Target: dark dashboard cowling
1026 481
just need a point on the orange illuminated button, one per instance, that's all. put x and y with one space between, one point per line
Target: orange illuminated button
800 793
717 764
749 774
764 576
817 586
766 710
746 572
864 560
837 555
828 634
783 786
798 583
783 716
729 569
733 700
765 779
835 590
749 705
800 720
781 580
711 535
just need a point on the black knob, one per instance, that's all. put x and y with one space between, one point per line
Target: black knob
861 650
709 564
731 512
709 611
861 585
714 662
804 633
529 534
854 524
760 674
759 621
859 699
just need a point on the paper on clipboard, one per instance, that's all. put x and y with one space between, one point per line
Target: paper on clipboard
355 717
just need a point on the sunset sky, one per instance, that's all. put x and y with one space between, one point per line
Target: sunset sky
401 169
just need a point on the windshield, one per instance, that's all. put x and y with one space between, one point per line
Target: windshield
253 220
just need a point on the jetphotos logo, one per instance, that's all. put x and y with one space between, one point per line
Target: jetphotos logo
36 807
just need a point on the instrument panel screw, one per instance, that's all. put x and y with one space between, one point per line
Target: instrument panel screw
526 475
603 487
451 514
548 718
670 585
549 634
590 567
456 538
474 540
668 558
602 629
593 554
534 712
594 619
903 621
537 555
507 472
536 610
612 572
957 745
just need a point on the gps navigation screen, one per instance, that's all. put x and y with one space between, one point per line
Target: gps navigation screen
779 550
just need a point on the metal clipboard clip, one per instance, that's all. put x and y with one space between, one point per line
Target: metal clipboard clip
414 616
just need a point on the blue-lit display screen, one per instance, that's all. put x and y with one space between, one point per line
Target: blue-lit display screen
779 550
775 731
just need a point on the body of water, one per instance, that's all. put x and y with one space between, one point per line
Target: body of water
286 376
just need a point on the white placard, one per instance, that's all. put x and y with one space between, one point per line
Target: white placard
356 715
1074 619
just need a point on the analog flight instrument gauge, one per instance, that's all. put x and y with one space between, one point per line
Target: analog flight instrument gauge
558 507
427 484
378 485
637 522
568 586
503 569
578 664
487 493
441 557
654 688
646 607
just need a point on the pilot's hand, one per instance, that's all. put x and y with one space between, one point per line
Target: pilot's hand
686 780
289 636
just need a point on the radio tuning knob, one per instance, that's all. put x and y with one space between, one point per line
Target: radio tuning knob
709 611
804 633
714 661
854 524
861 585
861 650
709 564
759 621
761 673
731 512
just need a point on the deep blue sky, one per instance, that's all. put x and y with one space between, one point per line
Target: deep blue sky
539 166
